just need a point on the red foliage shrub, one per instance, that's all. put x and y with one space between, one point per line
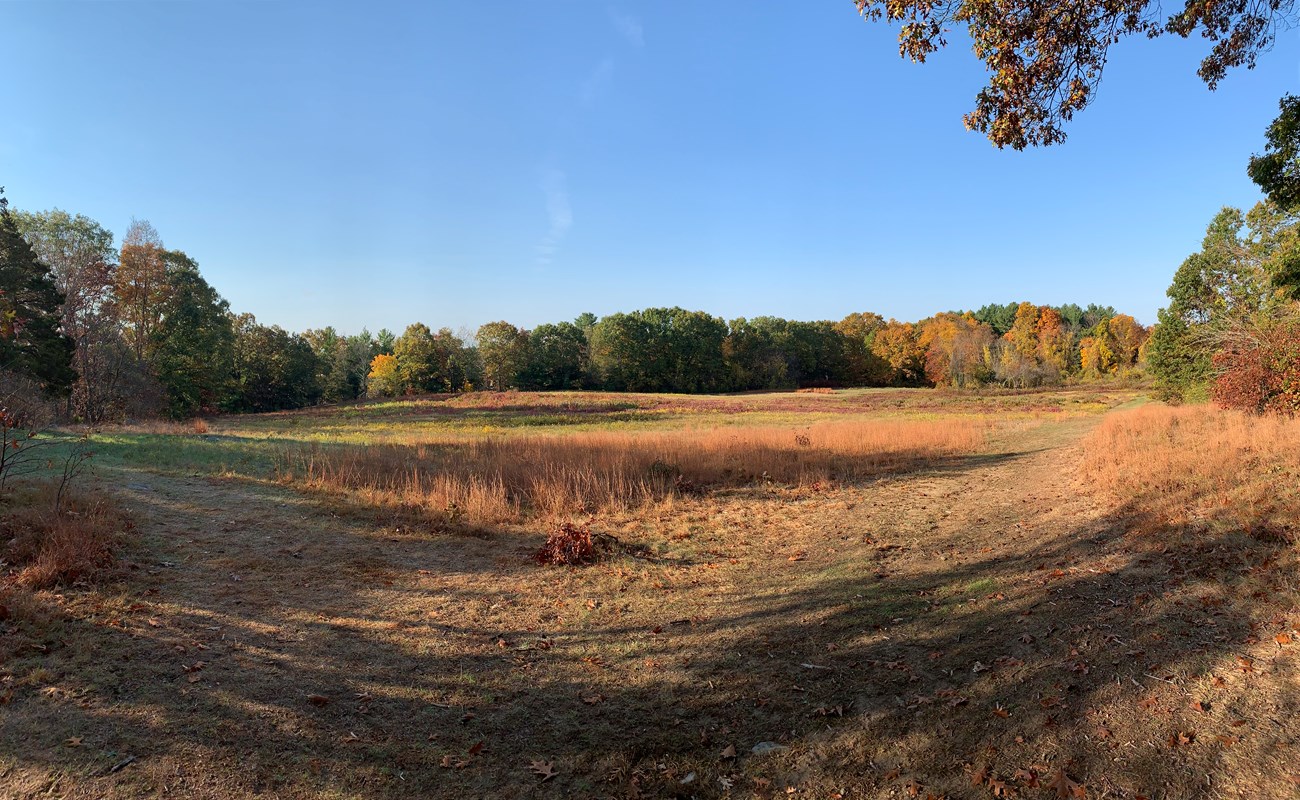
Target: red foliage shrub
1258 369
573 545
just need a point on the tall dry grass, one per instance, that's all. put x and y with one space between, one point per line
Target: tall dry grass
493 480
1198 465
44 546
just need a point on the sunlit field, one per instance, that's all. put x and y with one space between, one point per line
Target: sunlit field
861 593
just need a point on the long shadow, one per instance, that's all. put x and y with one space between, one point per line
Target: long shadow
851 682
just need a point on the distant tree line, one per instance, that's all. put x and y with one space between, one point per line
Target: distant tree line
133 331
674 350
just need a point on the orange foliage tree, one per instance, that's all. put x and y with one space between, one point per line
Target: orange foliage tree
958 349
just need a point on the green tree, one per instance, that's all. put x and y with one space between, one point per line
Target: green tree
1277 170
1224 281
31 342
753 358
503 349
659 350
274 370
431 362
557 357
193 343
862 367
385 340
998 316
418 359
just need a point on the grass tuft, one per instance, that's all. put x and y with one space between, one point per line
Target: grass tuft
46 548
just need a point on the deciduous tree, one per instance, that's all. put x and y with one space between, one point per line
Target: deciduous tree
141 285
503 349
83 262
1045 59
192 348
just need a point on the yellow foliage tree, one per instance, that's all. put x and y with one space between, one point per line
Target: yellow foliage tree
385 378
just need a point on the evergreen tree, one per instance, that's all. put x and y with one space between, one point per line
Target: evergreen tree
31 341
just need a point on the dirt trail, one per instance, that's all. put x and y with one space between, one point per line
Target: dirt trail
980 612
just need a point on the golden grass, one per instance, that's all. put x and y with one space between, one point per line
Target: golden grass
45 548
505 479
1199 466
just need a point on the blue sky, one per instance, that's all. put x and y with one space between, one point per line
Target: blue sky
378 163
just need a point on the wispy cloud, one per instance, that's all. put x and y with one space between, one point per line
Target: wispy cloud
559 214
629 27
597 82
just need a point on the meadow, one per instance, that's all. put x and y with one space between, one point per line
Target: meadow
862 593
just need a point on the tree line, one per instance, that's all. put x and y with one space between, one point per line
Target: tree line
133 331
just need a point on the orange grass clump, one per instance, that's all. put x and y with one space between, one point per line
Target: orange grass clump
504 479
47 548
1199 466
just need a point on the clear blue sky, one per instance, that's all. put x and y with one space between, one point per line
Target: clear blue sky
453 162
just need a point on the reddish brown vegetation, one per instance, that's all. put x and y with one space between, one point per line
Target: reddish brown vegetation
46 548
1259 369
573 545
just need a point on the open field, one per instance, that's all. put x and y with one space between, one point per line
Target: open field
858 594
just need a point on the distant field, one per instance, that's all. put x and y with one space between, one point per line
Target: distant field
862 594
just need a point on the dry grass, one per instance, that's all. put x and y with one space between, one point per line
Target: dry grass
500 479
1200 467
43 548
979 627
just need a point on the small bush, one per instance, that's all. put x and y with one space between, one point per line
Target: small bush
574 545
46 548
1258 368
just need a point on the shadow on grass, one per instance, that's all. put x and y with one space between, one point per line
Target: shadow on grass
865 680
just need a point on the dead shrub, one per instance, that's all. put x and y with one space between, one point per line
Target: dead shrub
44 547
574 545
1257 367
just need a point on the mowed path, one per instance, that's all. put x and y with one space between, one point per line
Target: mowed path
983 625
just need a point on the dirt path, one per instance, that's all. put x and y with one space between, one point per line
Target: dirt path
979 618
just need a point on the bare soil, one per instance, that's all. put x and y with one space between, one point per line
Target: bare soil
984 627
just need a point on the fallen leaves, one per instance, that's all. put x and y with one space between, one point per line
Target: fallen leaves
1065 787
545 769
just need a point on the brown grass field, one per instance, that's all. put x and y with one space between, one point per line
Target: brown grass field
860 594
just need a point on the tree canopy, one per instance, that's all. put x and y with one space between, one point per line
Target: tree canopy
1045 59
